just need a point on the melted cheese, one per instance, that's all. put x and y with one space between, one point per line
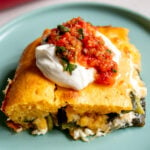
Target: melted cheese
50 65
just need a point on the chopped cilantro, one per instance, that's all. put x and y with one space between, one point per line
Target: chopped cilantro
62 29
71 67
114 70
81 35
108 50
67 66
65 63
60 50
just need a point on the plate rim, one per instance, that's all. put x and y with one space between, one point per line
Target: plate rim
138 16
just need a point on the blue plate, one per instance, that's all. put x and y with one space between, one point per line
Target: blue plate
15 36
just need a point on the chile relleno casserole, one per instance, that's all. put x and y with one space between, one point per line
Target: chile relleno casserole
79 77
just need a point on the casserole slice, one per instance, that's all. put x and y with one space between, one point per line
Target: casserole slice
34 102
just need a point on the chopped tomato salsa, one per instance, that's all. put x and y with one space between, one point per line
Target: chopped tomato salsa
77 42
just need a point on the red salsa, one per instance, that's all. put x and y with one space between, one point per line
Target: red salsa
76 42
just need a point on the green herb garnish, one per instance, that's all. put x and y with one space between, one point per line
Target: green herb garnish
81 35
67 66
71 67
109 51
65 63
62 29
60 50
114 70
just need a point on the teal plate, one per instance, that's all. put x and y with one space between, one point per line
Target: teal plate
15 36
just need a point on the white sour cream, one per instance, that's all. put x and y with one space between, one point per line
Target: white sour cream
50 66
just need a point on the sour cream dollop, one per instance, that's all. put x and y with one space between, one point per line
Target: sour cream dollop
49 64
